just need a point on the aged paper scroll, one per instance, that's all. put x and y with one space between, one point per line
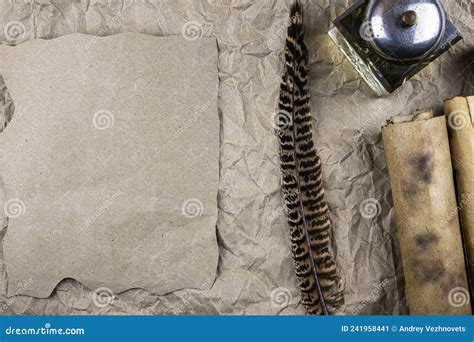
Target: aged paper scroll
110 163
421 176
460 117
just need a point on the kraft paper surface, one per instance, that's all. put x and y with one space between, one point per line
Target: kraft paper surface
255 273
110 172
421 176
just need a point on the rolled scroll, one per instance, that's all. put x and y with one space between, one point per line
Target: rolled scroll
421 176
460 116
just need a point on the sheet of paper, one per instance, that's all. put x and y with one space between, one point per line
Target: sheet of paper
110 165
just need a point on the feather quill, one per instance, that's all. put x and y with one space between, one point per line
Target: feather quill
322 291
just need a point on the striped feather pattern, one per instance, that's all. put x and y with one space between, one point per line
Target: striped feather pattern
308 217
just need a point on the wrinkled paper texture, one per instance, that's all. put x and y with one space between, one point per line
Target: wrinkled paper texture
255 273
110 176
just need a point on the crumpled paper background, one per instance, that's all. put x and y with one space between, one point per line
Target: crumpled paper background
255 272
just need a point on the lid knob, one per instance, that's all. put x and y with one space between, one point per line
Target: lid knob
409 18
404 31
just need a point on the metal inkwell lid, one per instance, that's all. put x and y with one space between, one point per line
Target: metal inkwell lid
404 31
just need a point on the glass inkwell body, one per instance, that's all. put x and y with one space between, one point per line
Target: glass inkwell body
389 41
